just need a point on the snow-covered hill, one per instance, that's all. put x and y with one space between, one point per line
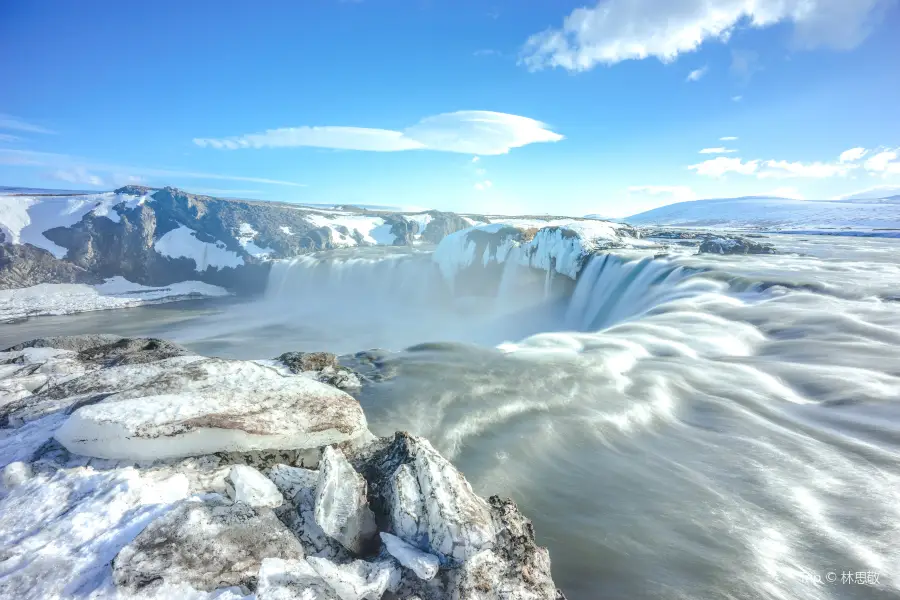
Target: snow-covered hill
856 215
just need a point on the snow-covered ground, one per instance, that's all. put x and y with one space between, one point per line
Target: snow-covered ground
117 292
869 215
373 230
182 242
24 219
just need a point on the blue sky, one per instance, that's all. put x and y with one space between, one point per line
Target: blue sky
518 106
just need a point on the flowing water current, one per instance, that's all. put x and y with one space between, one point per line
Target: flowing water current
679 427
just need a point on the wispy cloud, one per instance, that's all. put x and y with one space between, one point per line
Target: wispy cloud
787 192
484 185
617 30
882 162
487 52
6 137
66 162
696 74
17 124
728 138
718 151
853 154
737 98
471 131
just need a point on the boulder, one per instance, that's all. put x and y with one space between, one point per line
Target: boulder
341 505
246 484
205 406
426 501
206 545
323 366
734 245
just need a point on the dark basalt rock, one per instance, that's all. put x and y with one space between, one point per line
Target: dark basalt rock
734 245
24 265
308 361
441 225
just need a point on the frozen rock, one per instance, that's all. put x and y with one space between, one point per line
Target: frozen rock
206 545
323 366
341 508
298 486
291 580
15 474
358 580
734 245
429 504
58 533
246 484
211 405
424 565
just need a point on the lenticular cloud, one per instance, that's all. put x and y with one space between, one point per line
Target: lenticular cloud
468 131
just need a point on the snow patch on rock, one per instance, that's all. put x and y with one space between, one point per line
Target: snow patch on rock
182 242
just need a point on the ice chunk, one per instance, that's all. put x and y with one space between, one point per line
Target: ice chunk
342 509
246 484
291 580
15 474
358 580
421 563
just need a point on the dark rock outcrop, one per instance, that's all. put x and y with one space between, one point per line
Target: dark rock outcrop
441 225
734 245
24 265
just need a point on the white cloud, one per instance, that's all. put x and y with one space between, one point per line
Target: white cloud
787 192
885 163
728 138
477 132
737 98
76 175
483 185
721 165
618 30
6 137
718 151
853 154
66 162
679 193
17 124
744 64
696 74
782 169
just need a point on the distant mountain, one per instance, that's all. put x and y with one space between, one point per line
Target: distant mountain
776 213
877 193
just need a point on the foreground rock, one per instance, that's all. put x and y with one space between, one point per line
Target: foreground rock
323 366
379 518
208 545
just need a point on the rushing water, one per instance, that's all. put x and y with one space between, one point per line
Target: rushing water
682 427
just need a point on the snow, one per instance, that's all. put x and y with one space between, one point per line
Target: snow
207 406
116 292
286 230
424 565
423 220
245 238
373 230
183 243
24 219
246 484
281 579
59 533
776 213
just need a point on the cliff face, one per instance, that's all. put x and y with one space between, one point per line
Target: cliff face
159 237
